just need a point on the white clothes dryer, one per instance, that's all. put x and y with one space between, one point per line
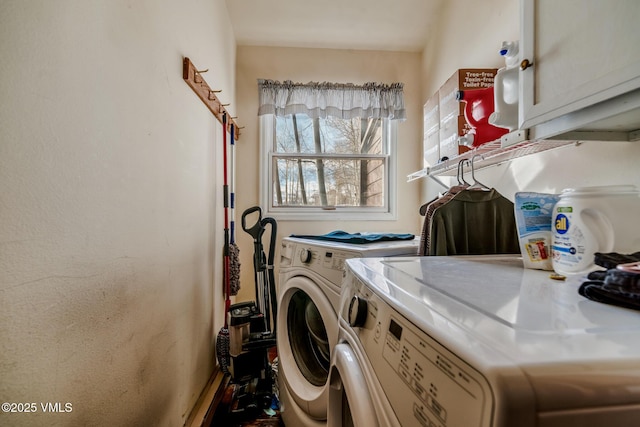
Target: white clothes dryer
310 277
479 342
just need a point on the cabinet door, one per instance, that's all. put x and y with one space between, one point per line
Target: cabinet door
582 52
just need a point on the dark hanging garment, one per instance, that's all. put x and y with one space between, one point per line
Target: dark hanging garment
474 222
427 210
423 249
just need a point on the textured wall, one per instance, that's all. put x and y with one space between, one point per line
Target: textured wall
110 208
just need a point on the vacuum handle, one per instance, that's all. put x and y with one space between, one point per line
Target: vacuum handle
256 230
272 240
271 283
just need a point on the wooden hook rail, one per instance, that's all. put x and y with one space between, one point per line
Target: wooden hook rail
194 79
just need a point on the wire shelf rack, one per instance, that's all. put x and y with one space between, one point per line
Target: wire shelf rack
489 154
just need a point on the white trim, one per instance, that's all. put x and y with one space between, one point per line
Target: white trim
267 131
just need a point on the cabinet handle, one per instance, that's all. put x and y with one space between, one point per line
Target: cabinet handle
525 64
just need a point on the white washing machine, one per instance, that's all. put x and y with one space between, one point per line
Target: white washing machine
310 277
479 342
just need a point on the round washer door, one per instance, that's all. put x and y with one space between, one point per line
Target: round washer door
307 333
349 396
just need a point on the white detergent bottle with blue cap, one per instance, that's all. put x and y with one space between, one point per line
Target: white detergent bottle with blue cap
587 220
506 88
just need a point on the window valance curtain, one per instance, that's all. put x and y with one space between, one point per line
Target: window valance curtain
320 100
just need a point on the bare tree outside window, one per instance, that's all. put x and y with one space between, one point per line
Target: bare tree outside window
329 162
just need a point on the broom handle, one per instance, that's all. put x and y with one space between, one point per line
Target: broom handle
232 179
227 267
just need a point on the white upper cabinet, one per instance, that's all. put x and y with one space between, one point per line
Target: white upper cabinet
584 72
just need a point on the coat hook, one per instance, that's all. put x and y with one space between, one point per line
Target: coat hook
212 94
234 117
225 105
197 77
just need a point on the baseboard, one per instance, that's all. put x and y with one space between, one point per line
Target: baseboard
205 408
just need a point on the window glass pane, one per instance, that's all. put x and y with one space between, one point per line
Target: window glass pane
329 182
301 134
311 164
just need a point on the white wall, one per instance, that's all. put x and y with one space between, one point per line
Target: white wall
469 36
341 66
110 229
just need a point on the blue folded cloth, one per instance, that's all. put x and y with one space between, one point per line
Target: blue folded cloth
357 238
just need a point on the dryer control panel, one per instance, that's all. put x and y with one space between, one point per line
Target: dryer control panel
425 383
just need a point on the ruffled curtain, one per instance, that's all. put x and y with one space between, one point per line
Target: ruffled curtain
320 100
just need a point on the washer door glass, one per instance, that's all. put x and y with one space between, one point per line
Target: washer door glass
308 338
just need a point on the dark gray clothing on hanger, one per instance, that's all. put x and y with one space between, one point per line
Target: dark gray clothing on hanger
474 222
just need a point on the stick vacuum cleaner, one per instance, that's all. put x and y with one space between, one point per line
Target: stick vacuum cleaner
253 324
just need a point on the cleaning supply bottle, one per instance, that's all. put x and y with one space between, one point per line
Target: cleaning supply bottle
506 87
533 220
478 108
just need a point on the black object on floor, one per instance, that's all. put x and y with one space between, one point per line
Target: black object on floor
248 404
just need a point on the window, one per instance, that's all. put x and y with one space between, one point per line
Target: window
326 156
317 167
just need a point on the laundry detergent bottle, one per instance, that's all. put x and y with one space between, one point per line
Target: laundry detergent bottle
587 220
506 87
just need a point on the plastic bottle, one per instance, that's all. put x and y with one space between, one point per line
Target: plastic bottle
594 219
506 93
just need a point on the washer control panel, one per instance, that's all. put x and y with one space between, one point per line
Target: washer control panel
425 383
328 263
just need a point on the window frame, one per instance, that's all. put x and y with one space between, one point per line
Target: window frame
318 213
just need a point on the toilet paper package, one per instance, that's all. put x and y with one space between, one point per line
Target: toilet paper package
533 212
